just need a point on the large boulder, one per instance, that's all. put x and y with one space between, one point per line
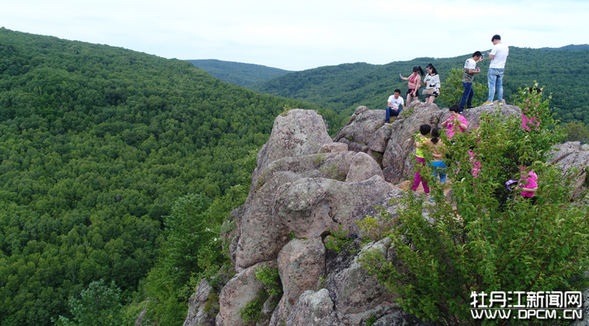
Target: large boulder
357 295
300 264
359 129
573 158
263 224
380 138
296 132
261 235
473 116
363 167
237 293
311 207
313 309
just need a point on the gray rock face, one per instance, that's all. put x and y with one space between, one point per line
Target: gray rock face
357 295
261 235
309 185
300 264
313 309
473 116
360 127
363 167
380 138
298 132
573 158
313 206
196 306
334 148
237 293
301 195
281 313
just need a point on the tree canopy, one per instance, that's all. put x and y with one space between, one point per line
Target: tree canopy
96 145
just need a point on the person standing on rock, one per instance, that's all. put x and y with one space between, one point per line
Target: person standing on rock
414 84
437 148
498 57
470 69
455 123
421 141
395 105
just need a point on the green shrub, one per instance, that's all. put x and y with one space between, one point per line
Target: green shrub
270 278
406 113
212 305
452 91
338 240
374 229
319 159
252 312
334 173
370 321
487 238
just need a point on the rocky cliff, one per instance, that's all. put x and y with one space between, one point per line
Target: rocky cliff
305 186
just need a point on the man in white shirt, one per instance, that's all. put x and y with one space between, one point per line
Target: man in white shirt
470 69
395 105
498 56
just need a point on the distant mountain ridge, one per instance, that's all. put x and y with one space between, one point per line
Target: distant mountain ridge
564 72
569 47
238 73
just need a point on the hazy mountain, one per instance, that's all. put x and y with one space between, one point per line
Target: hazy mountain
237 73
569 47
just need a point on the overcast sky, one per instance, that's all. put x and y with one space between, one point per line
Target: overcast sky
303 34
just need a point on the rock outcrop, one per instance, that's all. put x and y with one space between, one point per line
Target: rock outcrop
290 139
300 264
304 187
573 158
301 190
366 132
237 293
197 312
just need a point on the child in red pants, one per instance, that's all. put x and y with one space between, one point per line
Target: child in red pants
420 143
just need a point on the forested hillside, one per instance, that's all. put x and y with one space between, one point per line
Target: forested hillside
97 143
564 72
237 73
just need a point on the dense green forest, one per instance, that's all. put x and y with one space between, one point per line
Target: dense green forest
98 144
563 71
237 73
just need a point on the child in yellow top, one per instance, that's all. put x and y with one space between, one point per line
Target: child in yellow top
420 142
